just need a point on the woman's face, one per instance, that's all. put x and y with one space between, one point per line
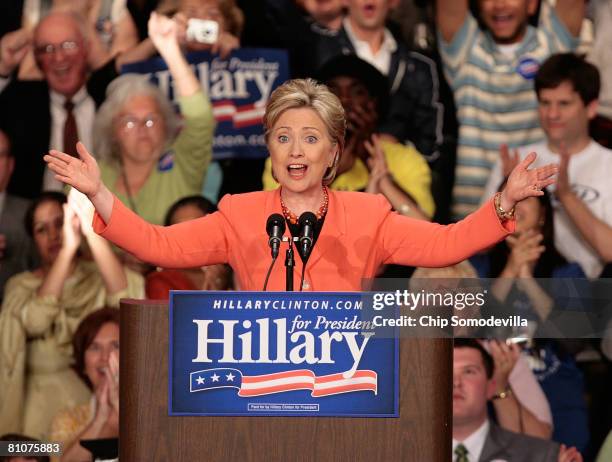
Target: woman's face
301 150
529 215
140 130
98 352
47 230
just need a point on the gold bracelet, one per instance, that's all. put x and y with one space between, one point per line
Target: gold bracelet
501 213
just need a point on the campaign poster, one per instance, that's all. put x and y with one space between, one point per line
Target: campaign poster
276 353
238 86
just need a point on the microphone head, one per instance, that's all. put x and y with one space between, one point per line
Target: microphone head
307 218
276 219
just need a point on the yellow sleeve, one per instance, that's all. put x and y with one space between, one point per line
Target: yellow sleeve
411 173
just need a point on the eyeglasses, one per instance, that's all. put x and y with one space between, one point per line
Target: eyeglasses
129 123
68 47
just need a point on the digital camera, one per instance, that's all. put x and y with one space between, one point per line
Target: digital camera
202 30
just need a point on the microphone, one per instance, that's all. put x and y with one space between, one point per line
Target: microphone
275 228
307 223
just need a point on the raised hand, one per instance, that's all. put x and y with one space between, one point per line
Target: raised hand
505 357
13 48
361 121
83 208
82 174
112 377
523 183
103 408
508 160
163 32
377 164
181 27
526 251
225 43
563 184
71 230
567 454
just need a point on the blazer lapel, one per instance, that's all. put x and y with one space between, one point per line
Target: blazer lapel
333 230
494 445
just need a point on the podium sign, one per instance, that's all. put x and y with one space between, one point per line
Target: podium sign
275 353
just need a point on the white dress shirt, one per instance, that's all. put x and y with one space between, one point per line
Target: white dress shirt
474 443
381 60
84 112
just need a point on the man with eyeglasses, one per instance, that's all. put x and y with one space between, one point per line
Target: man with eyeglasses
54 113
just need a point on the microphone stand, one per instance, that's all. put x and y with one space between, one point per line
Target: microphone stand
289 265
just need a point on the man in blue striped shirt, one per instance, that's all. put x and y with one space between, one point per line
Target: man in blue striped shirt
490 63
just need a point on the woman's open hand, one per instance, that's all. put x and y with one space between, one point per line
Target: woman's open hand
82 174
523 183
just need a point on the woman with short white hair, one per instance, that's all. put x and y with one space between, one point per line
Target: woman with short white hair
142 159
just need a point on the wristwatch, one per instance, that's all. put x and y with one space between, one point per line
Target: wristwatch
503 394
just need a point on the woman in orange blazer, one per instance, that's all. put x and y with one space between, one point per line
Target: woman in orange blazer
355 233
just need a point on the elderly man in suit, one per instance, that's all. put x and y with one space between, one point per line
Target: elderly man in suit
54 113
16 250
475 437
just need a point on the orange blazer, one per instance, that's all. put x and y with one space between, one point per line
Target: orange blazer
360 234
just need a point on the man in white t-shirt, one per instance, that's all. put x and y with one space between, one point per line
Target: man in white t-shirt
567 88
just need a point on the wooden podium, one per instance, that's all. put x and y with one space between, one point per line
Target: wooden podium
148 433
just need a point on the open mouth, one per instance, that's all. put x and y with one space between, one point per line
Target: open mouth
297 171
369 9
61 71
502 20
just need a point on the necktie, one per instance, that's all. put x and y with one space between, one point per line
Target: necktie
461 453
71 135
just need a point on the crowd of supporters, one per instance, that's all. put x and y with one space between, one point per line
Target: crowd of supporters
442 99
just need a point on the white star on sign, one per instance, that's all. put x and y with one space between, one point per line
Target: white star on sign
230 377
200 380
214 377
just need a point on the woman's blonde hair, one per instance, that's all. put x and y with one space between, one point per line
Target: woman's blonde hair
307 93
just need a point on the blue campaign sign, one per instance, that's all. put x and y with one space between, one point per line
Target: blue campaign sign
238 86
275 353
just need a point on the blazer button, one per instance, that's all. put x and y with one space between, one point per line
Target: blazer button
306 285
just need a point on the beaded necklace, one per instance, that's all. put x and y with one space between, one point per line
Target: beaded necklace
293 218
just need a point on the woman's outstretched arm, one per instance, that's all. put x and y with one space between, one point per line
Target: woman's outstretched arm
196 243
417 243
